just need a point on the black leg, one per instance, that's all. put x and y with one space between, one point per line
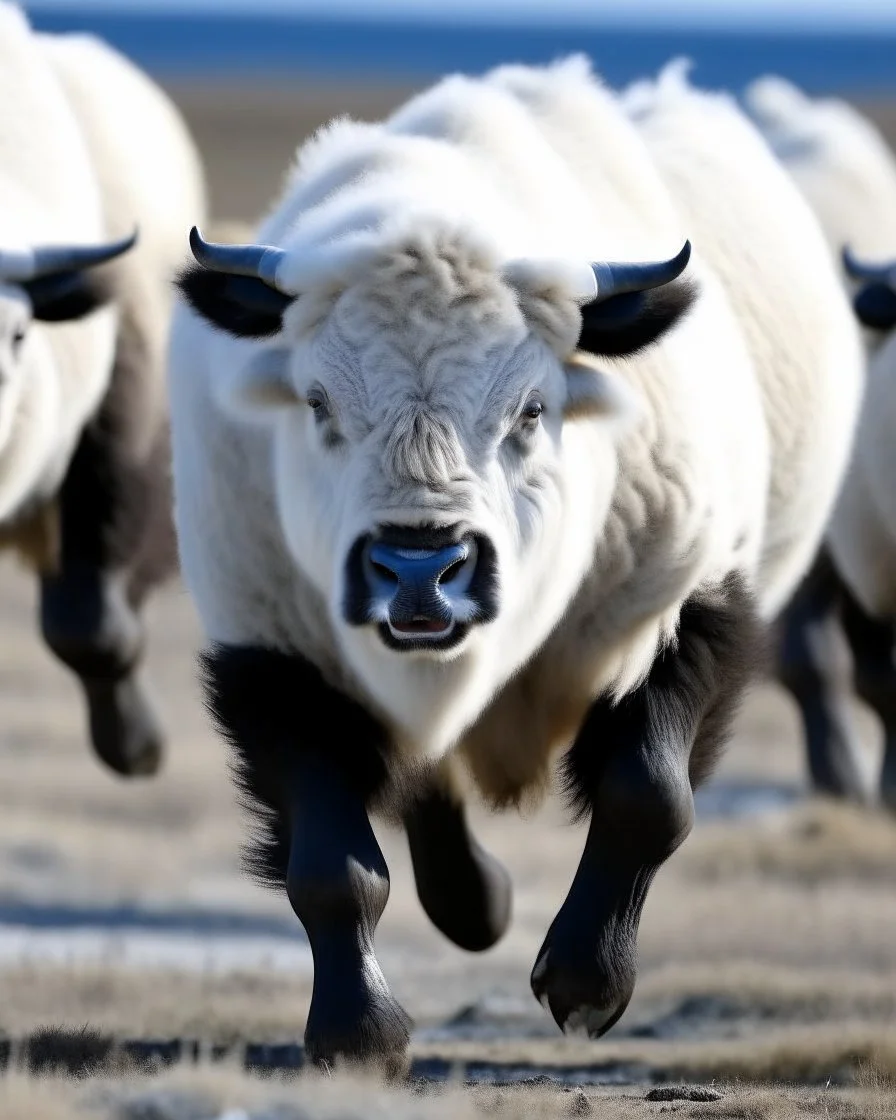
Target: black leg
632 768
310 760
872 642
116 541
465 891
813 665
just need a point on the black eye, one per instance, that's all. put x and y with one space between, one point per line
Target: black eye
530 414
18 338
317 402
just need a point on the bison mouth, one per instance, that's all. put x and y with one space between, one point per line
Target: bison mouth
422 634
420 625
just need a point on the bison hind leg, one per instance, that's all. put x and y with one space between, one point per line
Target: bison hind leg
465 891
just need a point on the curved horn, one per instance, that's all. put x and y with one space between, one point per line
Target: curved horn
259 261
32 264
859 270
614 279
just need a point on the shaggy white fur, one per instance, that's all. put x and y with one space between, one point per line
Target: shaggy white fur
764 245
847 172
150 175
53 379
839 160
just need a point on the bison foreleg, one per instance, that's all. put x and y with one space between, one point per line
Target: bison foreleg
814 667
88 623
632 768
310 761
338 883
116 541
465 892
872 643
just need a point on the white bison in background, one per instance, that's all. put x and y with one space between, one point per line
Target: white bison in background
847 172
89 149
861 537
838 158
454 492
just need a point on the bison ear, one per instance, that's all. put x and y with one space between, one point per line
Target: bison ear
623 325
63 296
593 393
243 306
875 306
258 389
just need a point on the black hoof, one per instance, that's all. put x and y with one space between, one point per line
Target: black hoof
583 996
124 729
376 1040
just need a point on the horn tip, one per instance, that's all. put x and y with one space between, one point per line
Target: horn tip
198 244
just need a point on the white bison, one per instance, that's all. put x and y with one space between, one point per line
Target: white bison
861 537
454 491
89 148
847 172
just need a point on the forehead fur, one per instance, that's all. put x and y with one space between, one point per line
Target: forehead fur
438 287
430 289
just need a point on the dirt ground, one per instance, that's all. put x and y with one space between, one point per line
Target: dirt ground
768 945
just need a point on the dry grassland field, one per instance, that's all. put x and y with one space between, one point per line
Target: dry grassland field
768 945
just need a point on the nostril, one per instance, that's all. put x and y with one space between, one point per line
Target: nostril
453 571
383 572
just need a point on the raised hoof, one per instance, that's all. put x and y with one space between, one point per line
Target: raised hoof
124 729
585 1001
377 1042
473 909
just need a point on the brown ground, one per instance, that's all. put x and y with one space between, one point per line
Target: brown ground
768 944
249 135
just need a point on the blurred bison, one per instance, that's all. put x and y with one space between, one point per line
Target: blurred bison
836 633
89 147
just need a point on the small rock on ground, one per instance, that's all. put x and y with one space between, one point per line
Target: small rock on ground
579 1105
683 1093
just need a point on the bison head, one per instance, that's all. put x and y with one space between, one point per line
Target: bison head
442 426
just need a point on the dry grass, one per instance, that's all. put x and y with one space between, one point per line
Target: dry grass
816 843
213 1092
787 1053
152 1003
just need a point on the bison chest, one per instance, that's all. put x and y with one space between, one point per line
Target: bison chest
510 748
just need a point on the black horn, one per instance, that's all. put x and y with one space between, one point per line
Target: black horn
259 262
24 265
861 270
615 279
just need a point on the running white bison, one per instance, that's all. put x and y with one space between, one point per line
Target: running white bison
861 537
830 644
457 490
89 149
